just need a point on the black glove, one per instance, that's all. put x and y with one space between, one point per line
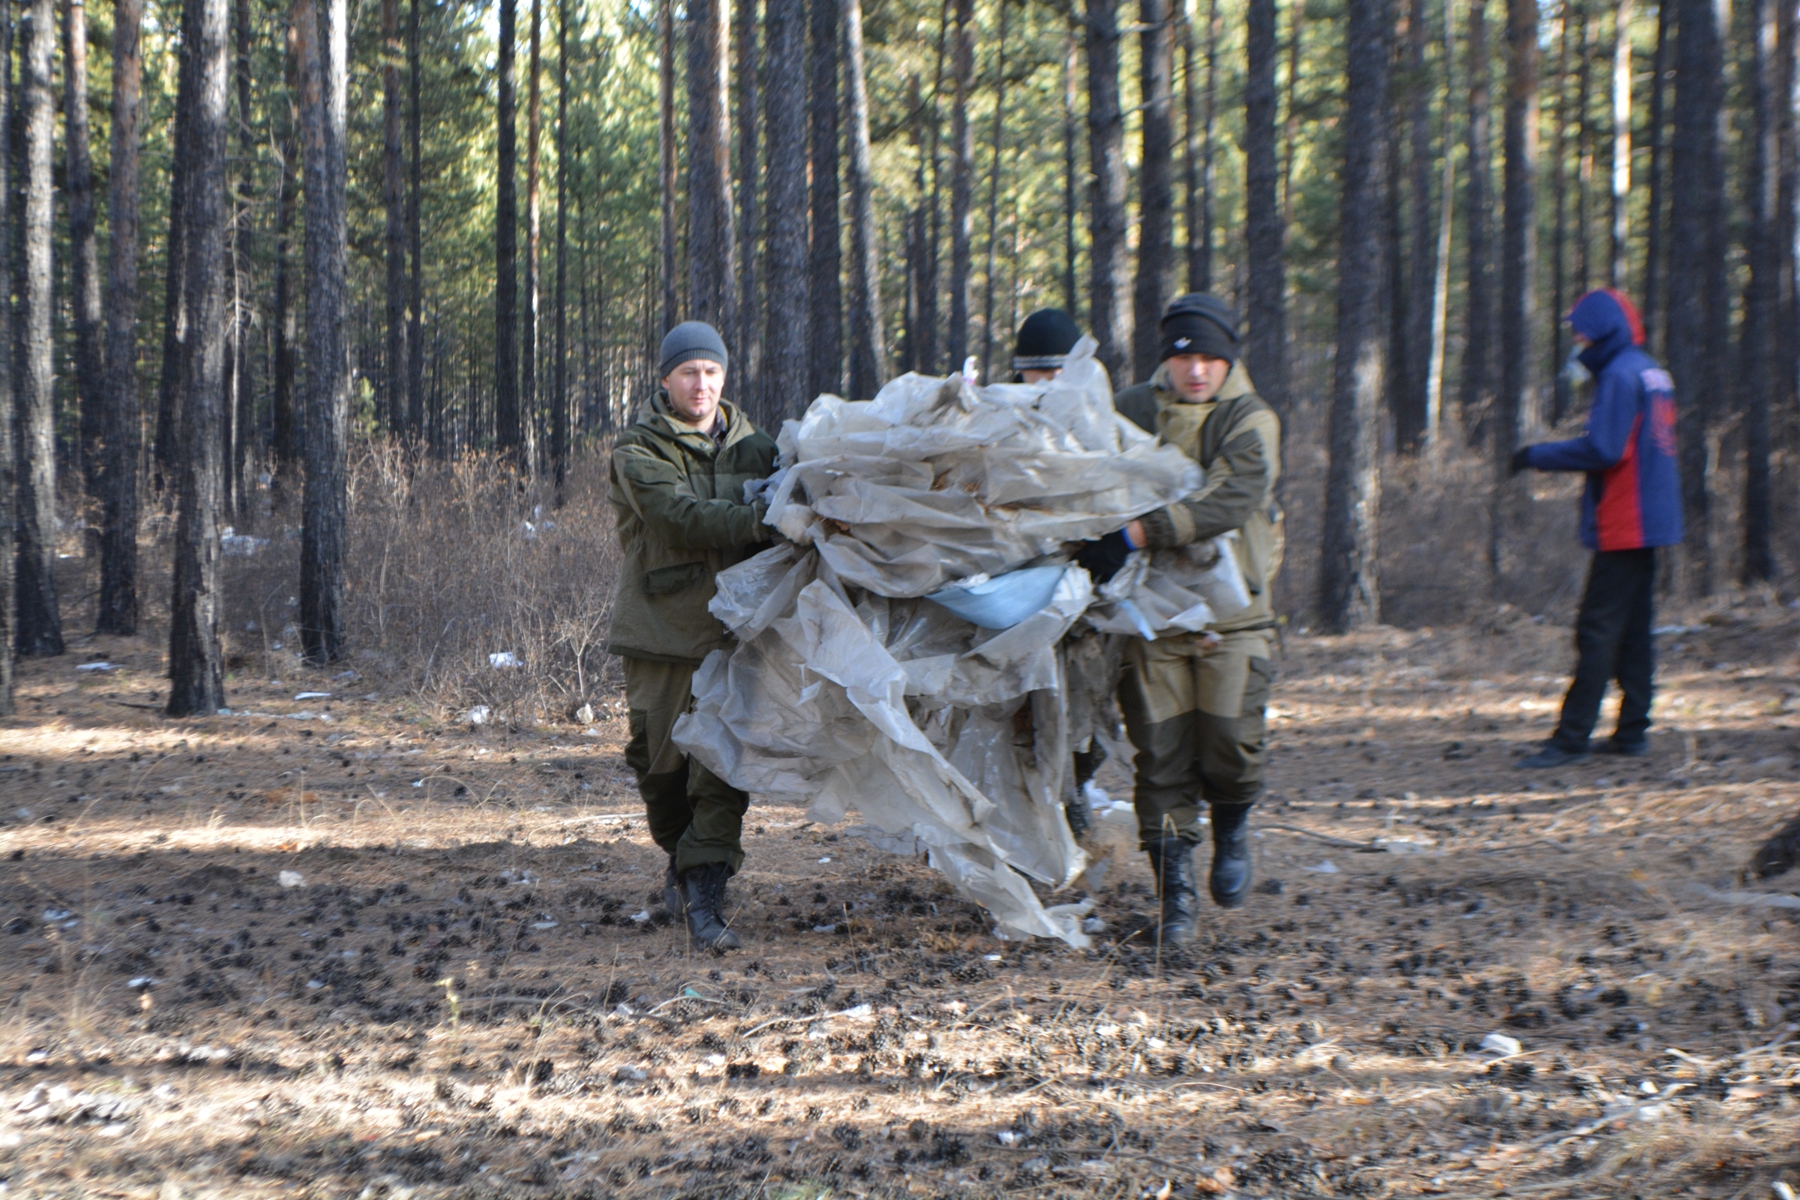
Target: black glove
1521 459
1104 556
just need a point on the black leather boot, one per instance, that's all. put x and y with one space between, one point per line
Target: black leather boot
1172 864
671 889
1230 875
703 888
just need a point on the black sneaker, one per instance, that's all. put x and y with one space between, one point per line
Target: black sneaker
1624 749
1551 755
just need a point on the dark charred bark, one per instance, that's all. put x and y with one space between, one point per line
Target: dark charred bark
323 536
1156 168
529 414
1108 296
1620 222
40 619
671 303
826 291
1559 204
415 234
168 390
1071 178
1265 345
1762 296
286 417
120 431
1655 311
962 183
393 199
196 663
785 368
748 191
1349 587
1699 301
84 269
507 434
712 233
1518 273
559 393
1477 390
868 343
8 356
1411 416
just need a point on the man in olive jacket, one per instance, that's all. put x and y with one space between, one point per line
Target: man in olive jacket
1193 703
678 476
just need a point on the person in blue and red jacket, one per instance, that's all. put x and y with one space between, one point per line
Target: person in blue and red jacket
1631 506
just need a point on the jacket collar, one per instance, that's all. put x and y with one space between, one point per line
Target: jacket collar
657 414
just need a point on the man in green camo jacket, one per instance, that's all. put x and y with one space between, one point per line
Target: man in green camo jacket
678 476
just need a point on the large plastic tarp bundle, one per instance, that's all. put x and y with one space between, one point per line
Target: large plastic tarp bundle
851 689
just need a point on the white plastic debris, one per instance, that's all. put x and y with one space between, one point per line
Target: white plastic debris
96 666
503 658
481 714
1324 868
312 695
1500 1044
641 916
291 879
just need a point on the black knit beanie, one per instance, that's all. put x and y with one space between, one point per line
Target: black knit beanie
1045 339
1198 323
688 341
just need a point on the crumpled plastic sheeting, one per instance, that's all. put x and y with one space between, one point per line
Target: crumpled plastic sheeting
849 690
934 480
1184 589
931 728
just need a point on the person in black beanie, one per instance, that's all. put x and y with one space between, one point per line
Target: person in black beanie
1043 345
1194 702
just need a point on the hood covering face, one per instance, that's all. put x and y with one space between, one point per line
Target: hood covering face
1607 319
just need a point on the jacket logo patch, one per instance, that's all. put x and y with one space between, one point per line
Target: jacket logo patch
1657 380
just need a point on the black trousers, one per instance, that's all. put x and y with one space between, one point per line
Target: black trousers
1613 642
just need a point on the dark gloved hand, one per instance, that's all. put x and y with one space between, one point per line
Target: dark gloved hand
1104 556
1521 459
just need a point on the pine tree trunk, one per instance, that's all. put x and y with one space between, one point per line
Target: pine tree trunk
712 234
1265 346
165 451
529 409
910 359
393 201
507 434
559 395
930 257
415 234
1584 151
1654 311
1190 150
1396 293
826 329
8 384
121 434
1787 198
196 663
1620 222
40 621
1422 250
84 270
323 536
748 191
1559 203
671 303
986 357
1155 279
1109 310
1349 587
785 369
962 183
1071 177
868 343
1699 302
1518 271
1440 284
1477 390
1762 296
286 417
242 462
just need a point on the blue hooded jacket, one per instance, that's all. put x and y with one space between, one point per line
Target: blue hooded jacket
1633 496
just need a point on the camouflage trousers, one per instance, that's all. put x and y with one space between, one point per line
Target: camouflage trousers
695 816
1194 712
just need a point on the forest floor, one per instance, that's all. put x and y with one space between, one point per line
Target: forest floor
339 947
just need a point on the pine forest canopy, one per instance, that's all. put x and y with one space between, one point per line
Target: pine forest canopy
850 188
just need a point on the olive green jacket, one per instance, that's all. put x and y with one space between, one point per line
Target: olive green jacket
1236 439
679 500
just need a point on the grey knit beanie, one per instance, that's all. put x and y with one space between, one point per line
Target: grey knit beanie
688 341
